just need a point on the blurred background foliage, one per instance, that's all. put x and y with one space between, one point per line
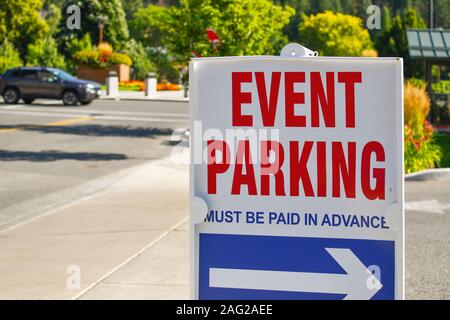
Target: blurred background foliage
162 35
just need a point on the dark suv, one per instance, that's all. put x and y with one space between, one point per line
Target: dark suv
30 83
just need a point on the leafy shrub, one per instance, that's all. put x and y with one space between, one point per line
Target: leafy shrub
101 57
120 58
89 57
443 140
133 85
71 45
9 56
372 53
421 151
417 106
417 82
44 52
442 86
74 44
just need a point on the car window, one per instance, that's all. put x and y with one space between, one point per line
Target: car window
46 76
29 74
62 74
15 74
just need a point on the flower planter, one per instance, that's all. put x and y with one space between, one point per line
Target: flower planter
87 72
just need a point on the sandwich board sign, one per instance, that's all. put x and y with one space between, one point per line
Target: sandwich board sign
296 178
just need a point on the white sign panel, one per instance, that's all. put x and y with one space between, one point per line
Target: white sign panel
296 178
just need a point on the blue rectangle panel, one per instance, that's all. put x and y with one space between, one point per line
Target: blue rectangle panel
294 254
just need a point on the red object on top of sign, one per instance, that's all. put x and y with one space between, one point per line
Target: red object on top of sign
213 37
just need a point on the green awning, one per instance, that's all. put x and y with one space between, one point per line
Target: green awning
429 44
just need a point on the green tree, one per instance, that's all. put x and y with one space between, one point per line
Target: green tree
58 3
21 24
245 27
301 7
324 5
335 34
131 7
52 15
348 7
115 30
149 27
338 6
386 18
45 53
358 8
442 14
361 8
9 56
393 42
142 64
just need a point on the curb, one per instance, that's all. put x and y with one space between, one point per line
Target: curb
144 99
429 174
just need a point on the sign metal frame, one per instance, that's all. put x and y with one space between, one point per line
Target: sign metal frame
198 208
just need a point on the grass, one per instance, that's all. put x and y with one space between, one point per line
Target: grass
442 86
123 88
443 141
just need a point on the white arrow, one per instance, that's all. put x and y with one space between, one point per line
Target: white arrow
358 283
431 206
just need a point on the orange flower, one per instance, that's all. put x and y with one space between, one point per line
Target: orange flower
168 86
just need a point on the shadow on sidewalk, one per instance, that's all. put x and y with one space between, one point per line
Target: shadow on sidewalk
53 155
96 130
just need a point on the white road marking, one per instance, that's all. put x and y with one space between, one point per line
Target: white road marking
431 206
143 119
95 111
93 116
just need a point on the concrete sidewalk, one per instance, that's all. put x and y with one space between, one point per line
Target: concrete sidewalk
129 241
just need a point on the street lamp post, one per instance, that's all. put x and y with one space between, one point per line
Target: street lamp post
101 25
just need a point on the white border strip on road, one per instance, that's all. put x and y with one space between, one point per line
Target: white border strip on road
92 111
94 117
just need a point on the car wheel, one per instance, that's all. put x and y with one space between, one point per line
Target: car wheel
11 95
70 98
28 101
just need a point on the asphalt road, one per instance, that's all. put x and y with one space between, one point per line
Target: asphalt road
50 153
427 228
